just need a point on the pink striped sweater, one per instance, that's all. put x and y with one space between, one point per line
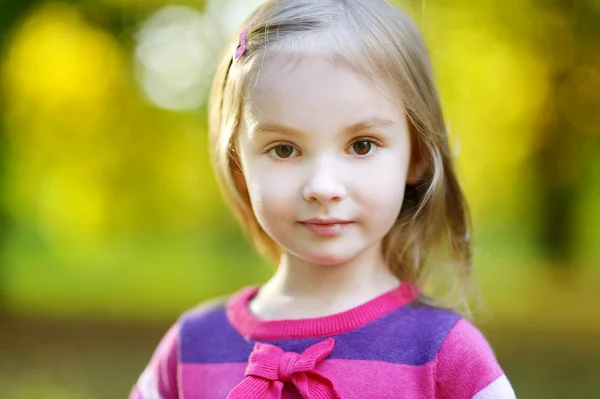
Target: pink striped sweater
389 347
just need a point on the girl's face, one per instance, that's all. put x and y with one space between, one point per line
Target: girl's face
325 156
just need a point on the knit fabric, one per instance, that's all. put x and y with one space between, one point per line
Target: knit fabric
389 347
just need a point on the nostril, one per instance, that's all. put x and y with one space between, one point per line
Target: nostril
330 193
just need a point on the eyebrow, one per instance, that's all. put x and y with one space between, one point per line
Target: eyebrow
348 130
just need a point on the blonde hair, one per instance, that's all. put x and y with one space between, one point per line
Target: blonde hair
382 42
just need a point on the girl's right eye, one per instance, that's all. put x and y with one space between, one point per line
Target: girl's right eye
283 151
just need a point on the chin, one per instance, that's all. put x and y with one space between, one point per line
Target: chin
324 258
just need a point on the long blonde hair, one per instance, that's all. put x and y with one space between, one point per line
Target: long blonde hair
382 42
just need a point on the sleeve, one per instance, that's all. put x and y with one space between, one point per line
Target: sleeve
159 379
466 367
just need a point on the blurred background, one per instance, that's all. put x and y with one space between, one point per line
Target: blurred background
111 223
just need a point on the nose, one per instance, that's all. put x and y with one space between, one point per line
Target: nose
324 184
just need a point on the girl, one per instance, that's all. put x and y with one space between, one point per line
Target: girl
329 142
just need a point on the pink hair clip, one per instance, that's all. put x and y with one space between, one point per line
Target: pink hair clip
241 49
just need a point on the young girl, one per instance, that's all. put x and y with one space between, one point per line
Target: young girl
329 142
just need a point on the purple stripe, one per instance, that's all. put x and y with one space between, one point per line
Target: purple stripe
409 335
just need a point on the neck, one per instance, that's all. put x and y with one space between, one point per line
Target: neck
301 289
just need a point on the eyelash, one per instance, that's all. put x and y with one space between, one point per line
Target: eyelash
372 141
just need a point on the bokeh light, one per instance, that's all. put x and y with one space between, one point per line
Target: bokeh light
175 57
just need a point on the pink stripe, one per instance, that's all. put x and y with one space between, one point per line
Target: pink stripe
163 365
210 381
248 325
353 379
466 363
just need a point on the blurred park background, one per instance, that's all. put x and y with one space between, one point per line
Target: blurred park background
112 224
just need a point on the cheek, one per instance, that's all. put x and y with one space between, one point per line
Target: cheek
384 179
382 187
387 197
271 194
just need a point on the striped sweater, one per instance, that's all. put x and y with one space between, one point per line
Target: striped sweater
389 347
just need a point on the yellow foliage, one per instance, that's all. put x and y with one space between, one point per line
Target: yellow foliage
55 54
88 158
491 91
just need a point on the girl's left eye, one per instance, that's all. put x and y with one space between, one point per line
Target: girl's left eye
363 147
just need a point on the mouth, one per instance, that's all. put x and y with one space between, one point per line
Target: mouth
322 221
326 227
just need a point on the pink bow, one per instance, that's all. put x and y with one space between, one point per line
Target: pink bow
269 367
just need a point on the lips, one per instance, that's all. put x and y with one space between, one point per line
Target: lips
323 221
326 227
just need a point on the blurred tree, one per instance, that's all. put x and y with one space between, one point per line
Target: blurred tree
102 185
569 130
11 15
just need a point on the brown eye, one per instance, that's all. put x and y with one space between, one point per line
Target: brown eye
362 147
284 151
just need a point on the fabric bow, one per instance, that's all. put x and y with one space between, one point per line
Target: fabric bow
269 367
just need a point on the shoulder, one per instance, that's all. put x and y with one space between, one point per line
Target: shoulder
204 312
466 366
463 364
466 346
414 334
207 335
160 375
205 318
216 309
411 335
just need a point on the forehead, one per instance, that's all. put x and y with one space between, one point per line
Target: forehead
314 89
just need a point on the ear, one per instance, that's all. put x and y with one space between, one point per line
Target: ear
417 167
415 174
